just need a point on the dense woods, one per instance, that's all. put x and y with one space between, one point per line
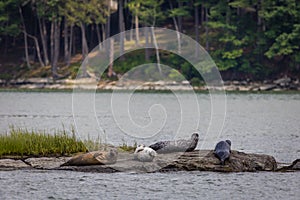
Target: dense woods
254 39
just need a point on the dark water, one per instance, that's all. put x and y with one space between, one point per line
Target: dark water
258 123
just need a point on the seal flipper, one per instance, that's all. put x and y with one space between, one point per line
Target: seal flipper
222 162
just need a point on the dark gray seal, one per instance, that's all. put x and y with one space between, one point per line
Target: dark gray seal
177 145
223 150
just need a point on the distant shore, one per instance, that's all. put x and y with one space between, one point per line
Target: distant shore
282 84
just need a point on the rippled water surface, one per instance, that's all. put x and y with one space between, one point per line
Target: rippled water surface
258 123
180 185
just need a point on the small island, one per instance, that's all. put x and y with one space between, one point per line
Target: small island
61 148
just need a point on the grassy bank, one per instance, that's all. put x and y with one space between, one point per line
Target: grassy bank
21 142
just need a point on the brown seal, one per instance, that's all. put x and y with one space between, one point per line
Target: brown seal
94 158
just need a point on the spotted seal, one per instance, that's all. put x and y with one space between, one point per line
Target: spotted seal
183 145
144 154
222 151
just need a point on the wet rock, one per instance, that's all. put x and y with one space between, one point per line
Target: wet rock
238 162
38 80
244 88
295 166
203 160
282 81
2 82
267 87
11 164
46 162
293 86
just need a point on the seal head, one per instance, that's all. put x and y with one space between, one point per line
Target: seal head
222 151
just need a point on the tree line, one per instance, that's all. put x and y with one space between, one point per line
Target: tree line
254 39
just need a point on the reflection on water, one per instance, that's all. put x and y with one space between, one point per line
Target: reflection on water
258 123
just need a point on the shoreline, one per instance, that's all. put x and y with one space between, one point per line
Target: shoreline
284 84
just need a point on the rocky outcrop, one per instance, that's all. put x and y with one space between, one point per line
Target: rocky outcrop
203 160
46 162
11 164
295 166
198 160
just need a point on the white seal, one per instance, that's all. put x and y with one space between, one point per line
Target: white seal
144 154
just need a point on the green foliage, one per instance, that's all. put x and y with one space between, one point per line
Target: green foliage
242 36
179 12
9 23
148 11
85 11
175 76
195 81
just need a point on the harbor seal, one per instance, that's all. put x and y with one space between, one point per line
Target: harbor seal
177 145
144 154
94 158
222 151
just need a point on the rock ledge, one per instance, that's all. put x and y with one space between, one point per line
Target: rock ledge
198 160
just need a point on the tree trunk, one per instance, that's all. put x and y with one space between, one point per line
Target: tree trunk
111 57
70 46
197 31
147 53
137 37
74 38
37 48
43 34
156 50
52 41
107 27
84 49
202 15
177 30
121 27
131 31
206 30
66 42
103 32
83 41
98 37
56 43
180 17
25 38
228 13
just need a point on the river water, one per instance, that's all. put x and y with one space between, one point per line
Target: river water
256 123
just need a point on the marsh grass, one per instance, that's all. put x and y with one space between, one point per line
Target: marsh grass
128 148
21 142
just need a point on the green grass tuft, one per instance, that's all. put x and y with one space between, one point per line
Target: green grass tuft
127 148
21 142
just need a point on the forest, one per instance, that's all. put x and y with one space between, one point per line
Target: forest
247 39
